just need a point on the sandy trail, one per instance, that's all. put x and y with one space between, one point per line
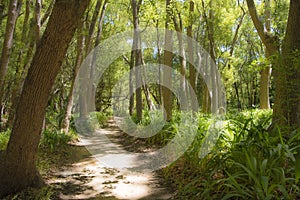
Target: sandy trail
87 178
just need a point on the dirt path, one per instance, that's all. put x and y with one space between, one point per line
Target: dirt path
86 178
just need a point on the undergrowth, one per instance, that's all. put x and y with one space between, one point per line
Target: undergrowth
245 162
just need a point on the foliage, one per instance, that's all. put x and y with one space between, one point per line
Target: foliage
245 163
4 138
102 118
54 139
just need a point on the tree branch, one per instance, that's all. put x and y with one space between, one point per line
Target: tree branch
256 21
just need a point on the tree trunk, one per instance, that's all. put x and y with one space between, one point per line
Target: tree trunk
287 76
159 60
27 41
2 7
13 12
80 52
167 72
20 157
38 7
182 58
264 100
87 101
93 26
146 88
137 59
271 48
207 103
79 57
192 70
265 73
131 84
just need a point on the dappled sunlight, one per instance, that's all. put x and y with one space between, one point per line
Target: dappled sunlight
93 176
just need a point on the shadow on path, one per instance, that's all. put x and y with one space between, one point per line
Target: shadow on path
87 178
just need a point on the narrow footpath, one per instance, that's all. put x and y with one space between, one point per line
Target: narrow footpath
87 178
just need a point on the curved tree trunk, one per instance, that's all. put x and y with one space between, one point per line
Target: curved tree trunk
18 169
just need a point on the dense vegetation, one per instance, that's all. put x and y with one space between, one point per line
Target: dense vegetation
253 44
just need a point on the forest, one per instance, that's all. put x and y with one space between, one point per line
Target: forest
144 99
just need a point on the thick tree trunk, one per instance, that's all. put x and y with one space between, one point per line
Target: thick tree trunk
287 76
18 169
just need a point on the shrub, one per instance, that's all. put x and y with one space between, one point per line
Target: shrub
53 139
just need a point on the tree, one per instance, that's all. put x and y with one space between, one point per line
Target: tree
270 42
137 58
192 70
14 7
79 58
286 112
19 160
167 73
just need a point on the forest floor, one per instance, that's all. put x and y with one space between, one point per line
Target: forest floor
79 175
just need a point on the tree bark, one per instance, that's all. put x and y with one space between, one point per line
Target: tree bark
265 73
38 7
167 72
286 112
20 157
137 59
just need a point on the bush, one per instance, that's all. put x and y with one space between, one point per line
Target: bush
54 139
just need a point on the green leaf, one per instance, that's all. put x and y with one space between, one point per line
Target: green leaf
297 166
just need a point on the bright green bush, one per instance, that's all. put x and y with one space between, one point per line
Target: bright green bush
54 139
